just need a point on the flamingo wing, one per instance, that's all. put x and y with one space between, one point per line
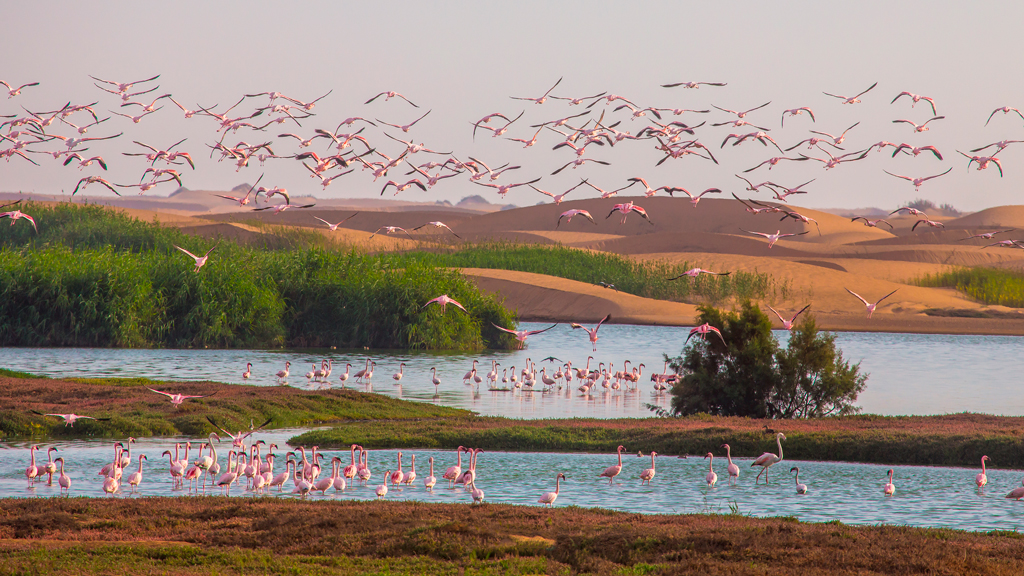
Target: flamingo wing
169 395
532 332
886 296
793 319
866 303
190 254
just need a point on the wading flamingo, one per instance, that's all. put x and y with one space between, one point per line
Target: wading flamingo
431 480
767 460
800 488
283 374
476 493
981 479
1017 493
890 488
32 471
397 476
612 471
453 472
410 476
734 470
711 478
648 474
382 490
550 497
64 481
135 478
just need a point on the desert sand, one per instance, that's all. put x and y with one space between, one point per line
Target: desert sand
815 267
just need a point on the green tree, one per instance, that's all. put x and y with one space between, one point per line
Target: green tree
751 375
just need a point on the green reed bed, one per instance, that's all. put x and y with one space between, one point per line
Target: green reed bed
641 278
986 285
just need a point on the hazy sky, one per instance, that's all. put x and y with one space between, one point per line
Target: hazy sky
464 59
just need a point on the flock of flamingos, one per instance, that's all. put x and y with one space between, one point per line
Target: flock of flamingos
307 475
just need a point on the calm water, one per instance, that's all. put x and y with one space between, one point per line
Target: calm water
851 493
909 373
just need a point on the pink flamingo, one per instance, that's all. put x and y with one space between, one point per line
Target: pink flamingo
32 471
64 481
917 181
339 480
915 150
228 478
983 162
851 99
647 475
280 478
918 127
788 324
522 335
734 470
612 471
767 460
1004 110
283 374
916 98
382 490
872 223
695 272
542 99
397 476
445 300
550 497
703 330
49 468
469 476
177 399
430 481
351 470
248 371
15 215
711 478
800 488
453 472
889 489
870 307
364 472
797 112
592 332
410 476
773 238
981 479
388 95
135 478
574 212
1017 493
625 209
930 223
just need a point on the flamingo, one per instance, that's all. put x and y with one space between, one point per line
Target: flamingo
63 480
852 99
397 476
49 468
773 238
283 374
434 379
800 488
70 419
983 162
592 332
612 471
743 113
711 478
788 324
550 497
703 330
15 215
334 227
522 335
339 480
767 460
870 307
647 475
32 471
445 300
542 99
1017 493
382 490
476 493
796 112
918 127
734 470
388 95
695 272
135 478
889 489
410 476
981 479
439 225
987 235
574 212
280 478
625 209
200 261
430 481
111 485
915 150
177 399
470 474
1004 110
918 181
872 223
453 472
228 478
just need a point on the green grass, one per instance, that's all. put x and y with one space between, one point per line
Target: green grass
641 278
94 277
986 285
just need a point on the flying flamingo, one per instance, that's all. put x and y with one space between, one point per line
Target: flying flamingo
692 84
871 307
981 479
851 99
695 272
702 331
542 99
711 478
1017 493
773 238
388 95
788 324
743 113
919 181
800 488
334 227
767 460
1004 110
522 335
453 472
796 112
199 261
931 223
872 223
915 150
987 235
647 475
439 225
70 419
890 488
918 127
550 497
592 332
405 127
983 162
177 399
625 209
916 98
574 212
15 215
612 471
431 480
734 470
444 300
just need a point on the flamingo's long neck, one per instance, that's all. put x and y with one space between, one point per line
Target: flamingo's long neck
353 455
778 440
459 463
711 463
431 466
140 463
32 453
620 456
982 465
558 487
652 460
728 454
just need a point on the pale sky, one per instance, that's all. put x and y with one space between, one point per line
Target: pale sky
464 59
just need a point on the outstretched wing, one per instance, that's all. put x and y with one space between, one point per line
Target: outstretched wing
866 303
532 332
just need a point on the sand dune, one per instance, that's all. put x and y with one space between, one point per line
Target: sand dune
997 217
